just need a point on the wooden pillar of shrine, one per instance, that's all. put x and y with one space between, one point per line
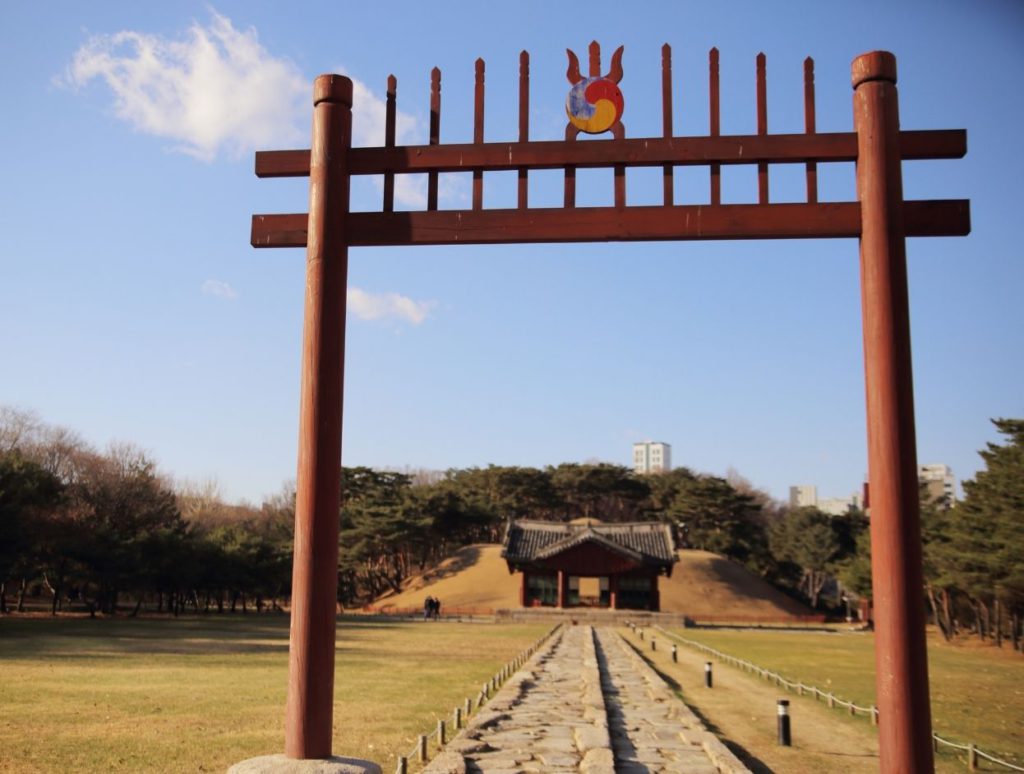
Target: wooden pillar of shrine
901 658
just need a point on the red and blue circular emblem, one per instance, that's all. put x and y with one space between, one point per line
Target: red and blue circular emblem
594 105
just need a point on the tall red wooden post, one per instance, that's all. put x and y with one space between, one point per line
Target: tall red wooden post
901 664
310 713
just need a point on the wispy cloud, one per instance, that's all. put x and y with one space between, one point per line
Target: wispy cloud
219 289
215 90
380 306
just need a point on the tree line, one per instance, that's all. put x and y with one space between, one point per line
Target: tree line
973 572
105 531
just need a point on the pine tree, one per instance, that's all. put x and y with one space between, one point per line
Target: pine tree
986 535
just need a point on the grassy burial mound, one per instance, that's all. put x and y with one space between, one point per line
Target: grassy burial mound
474 578
702 585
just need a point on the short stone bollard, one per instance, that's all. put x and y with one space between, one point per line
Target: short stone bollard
785 737
707 674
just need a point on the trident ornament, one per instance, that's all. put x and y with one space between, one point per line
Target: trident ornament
594 104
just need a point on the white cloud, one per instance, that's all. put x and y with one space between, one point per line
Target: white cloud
378 306
216 90
219 289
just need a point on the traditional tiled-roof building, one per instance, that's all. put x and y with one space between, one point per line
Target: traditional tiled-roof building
622 561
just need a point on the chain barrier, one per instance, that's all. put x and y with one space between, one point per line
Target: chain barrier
973 753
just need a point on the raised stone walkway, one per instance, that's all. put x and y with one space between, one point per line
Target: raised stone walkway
587 702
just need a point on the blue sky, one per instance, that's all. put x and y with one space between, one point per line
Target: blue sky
132 307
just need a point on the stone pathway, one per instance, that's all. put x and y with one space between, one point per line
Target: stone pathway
647 722
585 703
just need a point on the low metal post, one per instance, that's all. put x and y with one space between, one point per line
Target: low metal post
675 655
785 737
707 674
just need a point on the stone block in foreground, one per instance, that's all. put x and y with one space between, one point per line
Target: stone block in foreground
281 764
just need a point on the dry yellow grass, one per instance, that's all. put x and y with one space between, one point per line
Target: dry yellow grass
200 693
702 584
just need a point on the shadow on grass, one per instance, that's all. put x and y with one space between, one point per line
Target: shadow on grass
68 638
461 561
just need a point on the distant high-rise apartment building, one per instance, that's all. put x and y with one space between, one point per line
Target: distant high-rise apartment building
652 457
939 482
806 495
838 506
803 495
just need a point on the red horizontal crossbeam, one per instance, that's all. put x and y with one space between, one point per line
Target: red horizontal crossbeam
648 152
943 217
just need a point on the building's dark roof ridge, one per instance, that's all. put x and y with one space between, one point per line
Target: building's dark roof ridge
588 535
648 542
596 524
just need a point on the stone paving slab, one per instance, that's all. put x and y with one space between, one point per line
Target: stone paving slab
588 703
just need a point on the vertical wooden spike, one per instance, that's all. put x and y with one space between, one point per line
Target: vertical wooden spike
619 133
762 126
595 58
478 132
435 132
389 141
810 128
524 123
715 127
569 200
666 117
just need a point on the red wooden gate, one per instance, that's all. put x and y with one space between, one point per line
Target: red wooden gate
880 218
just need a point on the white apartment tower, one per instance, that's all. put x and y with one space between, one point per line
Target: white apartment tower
652 457
939 482
803 495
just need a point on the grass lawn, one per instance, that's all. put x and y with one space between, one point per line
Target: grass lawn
198 694
977 692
